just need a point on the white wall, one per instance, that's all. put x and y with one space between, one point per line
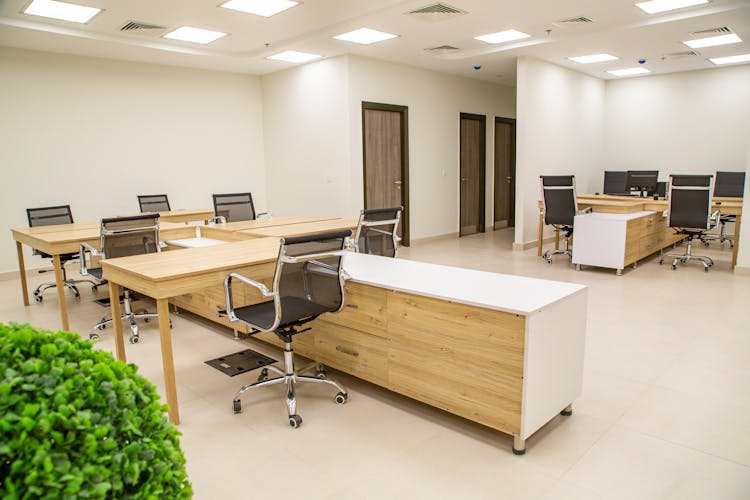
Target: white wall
317 109
560 131
743 253
94 133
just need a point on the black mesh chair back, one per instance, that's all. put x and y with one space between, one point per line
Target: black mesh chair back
153 203
615 182
126 236
559 198
234 206
730 184
50 216
690 201
377 231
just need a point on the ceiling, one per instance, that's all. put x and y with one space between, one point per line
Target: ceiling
617 27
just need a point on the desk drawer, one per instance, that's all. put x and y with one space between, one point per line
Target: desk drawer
364 309
352 351
651 243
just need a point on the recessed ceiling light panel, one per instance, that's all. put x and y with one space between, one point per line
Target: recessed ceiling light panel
731 59
294 56
195 35
502 36
593 58
61 10
712 41
657 6
629 71
265 8
365 36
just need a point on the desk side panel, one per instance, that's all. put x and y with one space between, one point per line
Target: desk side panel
599 242
553 374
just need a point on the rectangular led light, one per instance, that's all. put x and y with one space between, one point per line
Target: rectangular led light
265 8
365 36
657 6
294 56
61 10
593 58
502 36
195 35
731 59
629 71
712 41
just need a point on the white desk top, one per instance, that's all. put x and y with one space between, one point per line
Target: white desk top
607 216
501 292
195 242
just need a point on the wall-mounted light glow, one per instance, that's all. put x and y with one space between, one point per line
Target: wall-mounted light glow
593 58
294 56
731 59
712 41
657 6
502 36
365 36
265 8
629 71
195 35
61 10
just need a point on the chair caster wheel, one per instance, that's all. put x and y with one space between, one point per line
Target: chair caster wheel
321 374
134 340
295 421
661 261
237 406
38 298
674 267
94 288
146 320
263 375
93 336
549 261
341 398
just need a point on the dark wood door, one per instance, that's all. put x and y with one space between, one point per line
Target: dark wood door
505 173
385 150
472 174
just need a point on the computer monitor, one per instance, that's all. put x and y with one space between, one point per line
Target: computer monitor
662 188
615 182
642 180
729 184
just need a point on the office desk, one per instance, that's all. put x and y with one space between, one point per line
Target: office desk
504 351
60 239
301 229
186 215
629 205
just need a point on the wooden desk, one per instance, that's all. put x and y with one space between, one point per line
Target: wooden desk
301 229
629 205
186 215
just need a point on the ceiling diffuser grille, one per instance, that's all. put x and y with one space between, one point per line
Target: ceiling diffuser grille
437 12
139 27
724 30
442 50
680 55
573 20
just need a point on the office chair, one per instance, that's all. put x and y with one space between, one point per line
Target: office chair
728 185
560 208
377 231
233 207
153 203
122 237
690 213
307 283
49 216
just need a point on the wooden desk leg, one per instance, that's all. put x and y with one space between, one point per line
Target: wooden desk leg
736 241
541 233
114 307
61 292
22 270
165 335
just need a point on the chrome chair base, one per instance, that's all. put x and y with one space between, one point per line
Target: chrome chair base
721 237
566 251
290 378
69 284
128 315
707 262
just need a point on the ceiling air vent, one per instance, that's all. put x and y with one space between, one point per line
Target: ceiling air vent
143 28
437 12
575 20
712 31
442 50
679 55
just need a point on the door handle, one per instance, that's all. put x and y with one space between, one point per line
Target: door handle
509 178
464 179
398 183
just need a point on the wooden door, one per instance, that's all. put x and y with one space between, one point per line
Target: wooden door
471 173
385 151
505 173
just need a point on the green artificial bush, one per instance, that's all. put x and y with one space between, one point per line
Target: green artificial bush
76 423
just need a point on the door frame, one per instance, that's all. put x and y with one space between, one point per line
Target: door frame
404 114
512 123
483 172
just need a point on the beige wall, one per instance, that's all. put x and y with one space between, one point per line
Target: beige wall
94 133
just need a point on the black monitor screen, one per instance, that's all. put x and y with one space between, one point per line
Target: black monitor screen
642 180
615 182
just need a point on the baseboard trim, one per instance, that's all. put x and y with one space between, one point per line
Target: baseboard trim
14 275
434 238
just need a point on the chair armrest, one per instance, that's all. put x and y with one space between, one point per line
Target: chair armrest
228 291
586 210
85 247
217 219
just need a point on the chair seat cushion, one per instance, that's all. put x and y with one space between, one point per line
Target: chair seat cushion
292 309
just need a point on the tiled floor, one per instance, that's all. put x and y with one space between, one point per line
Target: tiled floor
663 414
